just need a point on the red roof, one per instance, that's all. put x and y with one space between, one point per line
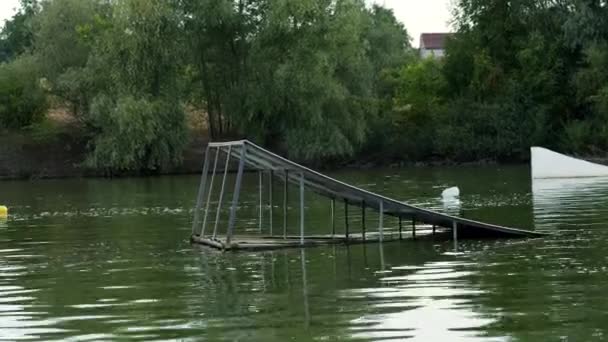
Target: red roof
433 41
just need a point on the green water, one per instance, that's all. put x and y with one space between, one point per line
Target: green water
110 260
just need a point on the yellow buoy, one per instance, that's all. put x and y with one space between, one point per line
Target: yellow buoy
3 212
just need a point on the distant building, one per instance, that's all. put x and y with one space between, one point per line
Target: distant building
433 44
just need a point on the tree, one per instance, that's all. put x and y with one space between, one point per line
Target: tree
137 115
221 33
22 99
58 39
511 62
17 35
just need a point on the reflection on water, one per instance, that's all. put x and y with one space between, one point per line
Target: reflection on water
110 260
562 202
426 302
452 206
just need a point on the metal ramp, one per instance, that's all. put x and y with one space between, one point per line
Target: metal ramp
251 157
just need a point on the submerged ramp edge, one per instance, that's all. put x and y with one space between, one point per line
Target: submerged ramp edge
251 157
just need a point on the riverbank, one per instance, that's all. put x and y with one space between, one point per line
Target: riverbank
53 152
61 154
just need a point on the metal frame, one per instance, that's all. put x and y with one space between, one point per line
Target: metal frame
235 196
201 192
219 203
253 157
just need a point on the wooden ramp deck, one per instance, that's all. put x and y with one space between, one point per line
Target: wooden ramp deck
261 242
251 157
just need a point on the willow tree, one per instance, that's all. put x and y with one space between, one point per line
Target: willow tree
57 40
219 35
137 116
311 56
299 76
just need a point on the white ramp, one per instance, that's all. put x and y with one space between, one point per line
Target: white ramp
549 164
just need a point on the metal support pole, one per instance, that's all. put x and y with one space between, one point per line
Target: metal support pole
414 228
260 186
400 228
235 196
363 220
381 222
270 179
333 217
219 203
302 209
346 228
285 201
217 155
201 192
455 235
382 262
305 290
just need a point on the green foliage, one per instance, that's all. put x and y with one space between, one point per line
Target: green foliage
58 41
136 134
22 99
46 132
516 74
17 35
577 137
137 118
322 112
309 77
417 103
305 76
318 79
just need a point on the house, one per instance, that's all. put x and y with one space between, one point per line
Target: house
433 44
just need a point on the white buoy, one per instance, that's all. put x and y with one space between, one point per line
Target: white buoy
451 201
450 193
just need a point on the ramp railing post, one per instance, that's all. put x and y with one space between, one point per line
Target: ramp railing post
414 227
346 228
333 218
285 200
270 179
219 203
305 289
302 209
363 220
235 195
455 235
381 222
261 204
201 192
217 155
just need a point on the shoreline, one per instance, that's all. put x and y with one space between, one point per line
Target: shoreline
61 156
62 159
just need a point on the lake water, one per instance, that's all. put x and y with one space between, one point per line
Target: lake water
110 260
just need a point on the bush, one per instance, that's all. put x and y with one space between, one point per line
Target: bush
469 131
577 137
135 134
417 102
22 99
